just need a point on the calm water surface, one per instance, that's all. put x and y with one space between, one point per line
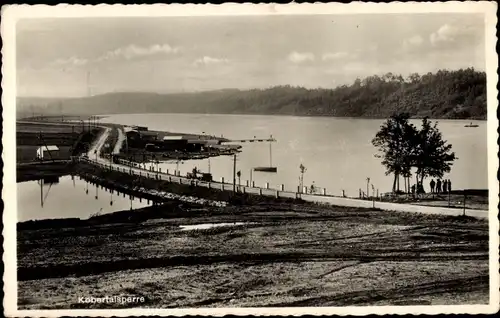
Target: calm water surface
69 199
337 152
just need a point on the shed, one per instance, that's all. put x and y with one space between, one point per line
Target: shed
43 152
172 137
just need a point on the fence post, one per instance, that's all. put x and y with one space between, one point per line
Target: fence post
465 197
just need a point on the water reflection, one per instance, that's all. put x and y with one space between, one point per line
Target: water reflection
69 197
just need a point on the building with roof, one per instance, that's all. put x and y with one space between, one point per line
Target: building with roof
172 143
47 152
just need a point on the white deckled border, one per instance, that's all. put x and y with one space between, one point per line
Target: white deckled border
10 14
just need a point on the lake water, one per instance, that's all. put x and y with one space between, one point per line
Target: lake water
69 199
337 152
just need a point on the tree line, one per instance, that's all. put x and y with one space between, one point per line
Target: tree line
459 94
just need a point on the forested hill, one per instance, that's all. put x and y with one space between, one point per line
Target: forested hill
457 94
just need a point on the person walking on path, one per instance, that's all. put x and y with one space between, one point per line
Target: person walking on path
438 186
432 184
449 186
313 188
445 186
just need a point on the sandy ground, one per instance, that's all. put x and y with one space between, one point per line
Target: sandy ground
300 257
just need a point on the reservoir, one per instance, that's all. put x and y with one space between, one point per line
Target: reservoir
337 152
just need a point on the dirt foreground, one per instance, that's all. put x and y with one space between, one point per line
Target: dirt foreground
288 256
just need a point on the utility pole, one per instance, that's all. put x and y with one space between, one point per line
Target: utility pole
234 173
41 192
367 187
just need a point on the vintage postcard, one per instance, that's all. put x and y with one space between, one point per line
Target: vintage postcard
256 159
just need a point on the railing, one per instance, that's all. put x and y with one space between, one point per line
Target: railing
135 169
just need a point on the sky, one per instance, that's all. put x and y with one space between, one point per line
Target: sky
55 56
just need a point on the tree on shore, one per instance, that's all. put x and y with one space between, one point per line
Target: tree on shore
403 147
433 156
395 141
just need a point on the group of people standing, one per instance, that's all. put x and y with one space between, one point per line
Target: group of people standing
440 186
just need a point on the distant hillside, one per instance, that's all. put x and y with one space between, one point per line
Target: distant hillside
457 94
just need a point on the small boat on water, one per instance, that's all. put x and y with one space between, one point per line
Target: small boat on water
270 168
266 169
471 125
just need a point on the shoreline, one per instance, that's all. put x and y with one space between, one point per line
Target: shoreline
106 115
291 115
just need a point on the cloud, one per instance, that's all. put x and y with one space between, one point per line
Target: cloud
449 35
445 33
207 60
134 51
128 53
414 41
72 61
296 57
335 56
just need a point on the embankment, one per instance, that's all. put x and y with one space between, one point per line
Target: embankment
125 182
